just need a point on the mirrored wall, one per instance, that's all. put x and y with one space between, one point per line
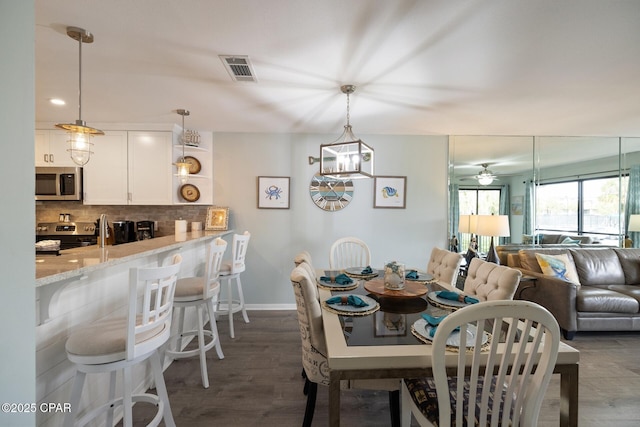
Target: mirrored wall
547 186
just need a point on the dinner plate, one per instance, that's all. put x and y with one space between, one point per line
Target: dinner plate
335 285
190 192
194 164
347 309
422 328
357 272
434 298
422 277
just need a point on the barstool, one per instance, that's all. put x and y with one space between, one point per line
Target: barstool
120 343
199 292
231 270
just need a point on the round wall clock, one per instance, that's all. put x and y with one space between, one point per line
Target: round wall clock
330 194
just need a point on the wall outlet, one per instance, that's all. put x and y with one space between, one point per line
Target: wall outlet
155 225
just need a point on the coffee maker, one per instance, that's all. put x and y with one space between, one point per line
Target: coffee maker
124 232
145 230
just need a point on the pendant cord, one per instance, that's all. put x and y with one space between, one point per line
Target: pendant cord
80 79
348 112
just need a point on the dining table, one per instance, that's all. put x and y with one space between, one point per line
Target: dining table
380 344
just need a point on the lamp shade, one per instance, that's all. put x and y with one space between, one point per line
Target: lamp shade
634 223
468 224
493 225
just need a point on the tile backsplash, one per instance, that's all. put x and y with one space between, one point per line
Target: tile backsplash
165 215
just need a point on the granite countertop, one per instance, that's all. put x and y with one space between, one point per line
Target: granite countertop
78 261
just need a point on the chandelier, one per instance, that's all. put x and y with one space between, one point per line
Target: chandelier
347 157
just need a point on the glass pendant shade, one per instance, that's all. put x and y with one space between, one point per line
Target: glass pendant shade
347 157
181 164
79 133
485 179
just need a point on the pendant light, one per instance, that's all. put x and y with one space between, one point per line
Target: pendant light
347 157
181 164
79 133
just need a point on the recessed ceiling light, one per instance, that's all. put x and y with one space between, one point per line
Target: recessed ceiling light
57 101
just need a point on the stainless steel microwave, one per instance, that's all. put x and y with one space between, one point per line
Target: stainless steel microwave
58 183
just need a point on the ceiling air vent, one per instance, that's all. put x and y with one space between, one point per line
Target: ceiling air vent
239 67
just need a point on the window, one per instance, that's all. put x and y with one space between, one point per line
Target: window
584 206
478 202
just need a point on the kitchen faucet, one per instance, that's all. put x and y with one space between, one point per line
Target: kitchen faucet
104 230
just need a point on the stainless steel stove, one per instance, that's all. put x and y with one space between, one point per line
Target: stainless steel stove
70 234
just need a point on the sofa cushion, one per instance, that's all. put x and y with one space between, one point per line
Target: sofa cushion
598 266
594 299
630 290
630 262
560 266
528 260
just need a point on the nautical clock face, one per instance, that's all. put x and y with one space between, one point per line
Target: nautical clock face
330 194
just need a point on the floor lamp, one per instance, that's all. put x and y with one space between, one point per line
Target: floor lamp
634 226
494 226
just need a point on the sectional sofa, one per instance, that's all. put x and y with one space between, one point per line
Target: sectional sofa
606 297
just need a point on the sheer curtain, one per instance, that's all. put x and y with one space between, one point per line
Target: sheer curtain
504 209
633 203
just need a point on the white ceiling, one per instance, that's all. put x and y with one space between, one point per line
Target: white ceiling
543 67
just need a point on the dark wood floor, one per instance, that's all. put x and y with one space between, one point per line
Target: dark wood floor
259 383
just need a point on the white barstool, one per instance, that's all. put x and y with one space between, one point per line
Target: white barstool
120 343
229 271
199 292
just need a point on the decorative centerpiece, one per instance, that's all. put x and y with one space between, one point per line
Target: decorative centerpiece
394 276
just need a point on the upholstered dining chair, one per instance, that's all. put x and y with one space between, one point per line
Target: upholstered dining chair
349 252
314 352
500 379
119 344
199 292
487 281
444 266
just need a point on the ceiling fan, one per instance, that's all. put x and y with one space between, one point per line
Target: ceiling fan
484 177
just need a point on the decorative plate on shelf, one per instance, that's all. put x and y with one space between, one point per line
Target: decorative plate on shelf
194 164
190 192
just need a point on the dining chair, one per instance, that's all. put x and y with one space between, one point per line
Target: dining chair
488 281
229 271
314 351
502 376
444 266
199 292
119 344
349 252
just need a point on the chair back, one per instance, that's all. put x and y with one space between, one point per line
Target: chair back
215 252
349 252
489 282
303 256
239 252
151 293
303 260
314 359
444 266
505 379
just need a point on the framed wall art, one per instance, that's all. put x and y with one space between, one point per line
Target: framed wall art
390 192
217 218
273 192
517 204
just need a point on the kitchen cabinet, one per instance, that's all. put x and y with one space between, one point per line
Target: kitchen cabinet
203 179
130 168
51 148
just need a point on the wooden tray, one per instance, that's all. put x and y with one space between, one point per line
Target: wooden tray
411 289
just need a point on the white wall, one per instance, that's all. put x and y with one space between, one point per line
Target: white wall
277 235
17 255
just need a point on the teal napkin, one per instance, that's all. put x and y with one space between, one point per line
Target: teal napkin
341 279
351 300
367 270
412 274
434 322
454 296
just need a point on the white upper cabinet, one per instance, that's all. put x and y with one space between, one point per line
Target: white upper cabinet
106 174
130 168
51 148
150 168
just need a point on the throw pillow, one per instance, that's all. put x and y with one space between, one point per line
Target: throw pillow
559 266
570 241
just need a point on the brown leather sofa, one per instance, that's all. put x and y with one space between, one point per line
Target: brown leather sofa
544 241
607 299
